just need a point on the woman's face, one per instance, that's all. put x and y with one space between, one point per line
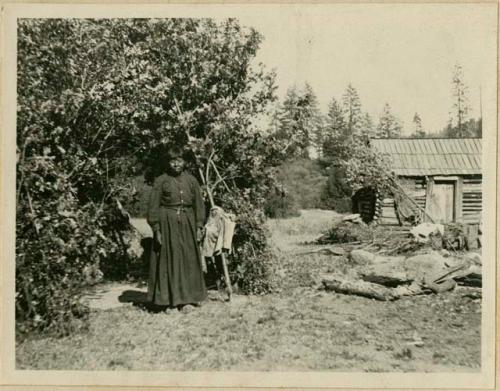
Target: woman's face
177 165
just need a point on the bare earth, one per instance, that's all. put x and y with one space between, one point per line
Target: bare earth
300 328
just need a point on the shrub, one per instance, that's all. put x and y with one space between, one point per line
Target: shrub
336 189
58 247
281 205
297 179
252 263
345 232
342 205
87 124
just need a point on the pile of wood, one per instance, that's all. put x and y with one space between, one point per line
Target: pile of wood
347 232
391 277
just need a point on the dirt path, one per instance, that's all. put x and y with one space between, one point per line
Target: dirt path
300 328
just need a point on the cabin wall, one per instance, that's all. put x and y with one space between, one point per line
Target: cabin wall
413 186
416 187
387 215
472 199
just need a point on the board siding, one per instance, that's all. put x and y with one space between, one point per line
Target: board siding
470 199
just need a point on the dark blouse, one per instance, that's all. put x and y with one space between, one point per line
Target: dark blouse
174 192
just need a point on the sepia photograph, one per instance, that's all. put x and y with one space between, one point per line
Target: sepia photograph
273 188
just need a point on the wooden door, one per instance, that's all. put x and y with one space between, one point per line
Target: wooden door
442 202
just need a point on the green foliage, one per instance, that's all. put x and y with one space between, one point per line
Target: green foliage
361 167
461 105
346 232
99 101
367 168
389 126
419 131
352 110
302 180
299 124
337 193
336 134
281 204
251 265
470 128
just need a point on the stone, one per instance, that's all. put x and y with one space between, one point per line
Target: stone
474 258
355 218
388 271
426 265
361 257
423 231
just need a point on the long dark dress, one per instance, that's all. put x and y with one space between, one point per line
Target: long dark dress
177 209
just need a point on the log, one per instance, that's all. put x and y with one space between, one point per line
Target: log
359 288
331 250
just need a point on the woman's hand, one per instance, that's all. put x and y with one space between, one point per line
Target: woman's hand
157 236
200 234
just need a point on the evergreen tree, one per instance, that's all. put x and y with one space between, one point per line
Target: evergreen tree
389 126
352 111
367 127
299 122
418 130
313 118
335 132
460 106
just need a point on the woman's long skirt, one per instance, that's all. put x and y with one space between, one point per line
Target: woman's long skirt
175 273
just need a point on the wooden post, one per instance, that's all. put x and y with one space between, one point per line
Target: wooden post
428 193
459 186
226 276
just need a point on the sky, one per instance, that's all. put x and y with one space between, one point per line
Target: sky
402 54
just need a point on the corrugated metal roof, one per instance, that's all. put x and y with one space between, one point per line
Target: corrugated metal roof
432 156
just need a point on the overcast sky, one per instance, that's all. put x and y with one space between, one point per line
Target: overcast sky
401 54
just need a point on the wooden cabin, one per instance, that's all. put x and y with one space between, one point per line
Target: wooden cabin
442 176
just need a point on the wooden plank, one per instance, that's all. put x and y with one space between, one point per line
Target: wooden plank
458 198
428 194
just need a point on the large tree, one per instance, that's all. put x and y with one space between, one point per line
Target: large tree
461 106
352 111
418 131
300 123
367 127
100 101
389 126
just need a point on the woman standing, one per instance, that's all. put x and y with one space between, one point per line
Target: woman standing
176 213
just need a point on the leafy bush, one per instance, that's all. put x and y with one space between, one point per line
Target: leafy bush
252 263
360 167
99 101
345 232
297 179
281 205
342 205
335 188
58 248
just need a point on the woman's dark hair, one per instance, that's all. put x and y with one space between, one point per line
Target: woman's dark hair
174 152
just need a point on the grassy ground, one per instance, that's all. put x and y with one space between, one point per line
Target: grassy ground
301 328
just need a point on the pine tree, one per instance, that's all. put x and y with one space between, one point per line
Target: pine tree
461 103
367 127
418 131
389 126
335 131
300 123
352 111
313 118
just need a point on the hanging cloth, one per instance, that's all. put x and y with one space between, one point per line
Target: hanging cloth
219 232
